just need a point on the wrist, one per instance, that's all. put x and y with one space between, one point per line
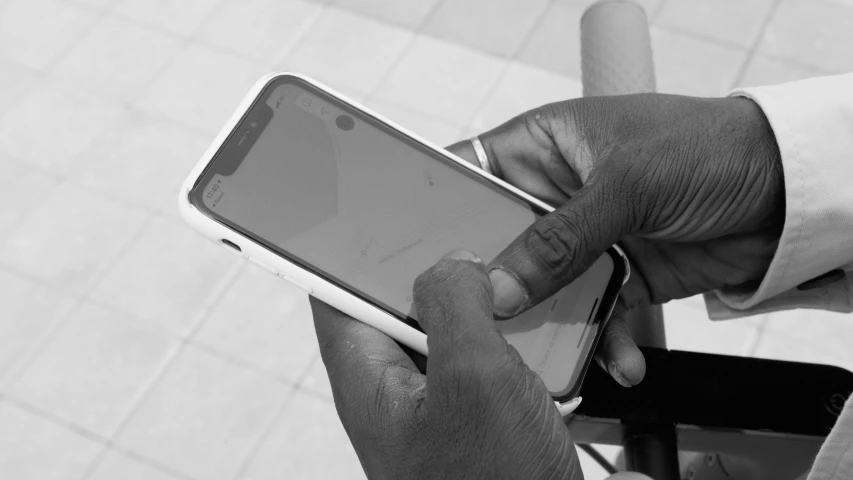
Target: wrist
758 146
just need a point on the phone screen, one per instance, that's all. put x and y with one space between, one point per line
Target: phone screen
369 208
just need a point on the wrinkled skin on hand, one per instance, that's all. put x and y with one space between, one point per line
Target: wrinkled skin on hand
692 189
479 412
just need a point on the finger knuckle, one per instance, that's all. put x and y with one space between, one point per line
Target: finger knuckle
555 240
449 277
433 277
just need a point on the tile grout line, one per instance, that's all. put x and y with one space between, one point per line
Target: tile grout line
796 63
426 115
417 33
759 36
173 353
217 294
322 9
186 42
83 4
178 341
428 17
190 340
191 38
59 324
132 319
252 451
82 295
282 56
512 59
54 419
149 462
242 363
159 29
42 74
653 16
100 16
530 33
488 96
66 180
318 357
316 395
166 365
296 390
309 391
110 444
63 179
752 347
702 37
130 111
88 435
58 178
44 341
371 95
56 326
107 444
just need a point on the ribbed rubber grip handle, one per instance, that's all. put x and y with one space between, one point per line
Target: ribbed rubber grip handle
616 59
616 50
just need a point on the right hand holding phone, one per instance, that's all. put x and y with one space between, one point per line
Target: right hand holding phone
478 413
692 189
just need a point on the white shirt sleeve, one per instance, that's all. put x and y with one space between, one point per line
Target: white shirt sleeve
813 123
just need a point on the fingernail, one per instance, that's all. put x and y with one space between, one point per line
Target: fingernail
569 407
460 254
510 296
617 375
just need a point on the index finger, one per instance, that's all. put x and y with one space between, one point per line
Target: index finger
523 153
453 304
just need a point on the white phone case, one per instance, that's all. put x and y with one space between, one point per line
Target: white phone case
303 279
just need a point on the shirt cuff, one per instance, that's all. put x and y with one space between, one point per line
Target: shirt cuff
834 297
813 124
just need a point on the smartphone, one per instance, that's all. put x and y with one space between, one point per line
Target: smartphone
351 209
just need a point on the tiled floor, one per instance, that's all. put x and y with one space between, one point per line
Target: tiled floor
131 348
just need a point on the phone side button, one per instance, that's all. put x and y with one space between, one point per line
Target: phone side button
298 285
263 265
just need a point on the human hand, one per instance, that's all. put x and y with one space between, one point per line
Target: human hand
691 188
479 412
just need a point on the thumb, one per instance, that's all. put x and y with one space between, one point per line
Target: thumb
468 357
559 247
